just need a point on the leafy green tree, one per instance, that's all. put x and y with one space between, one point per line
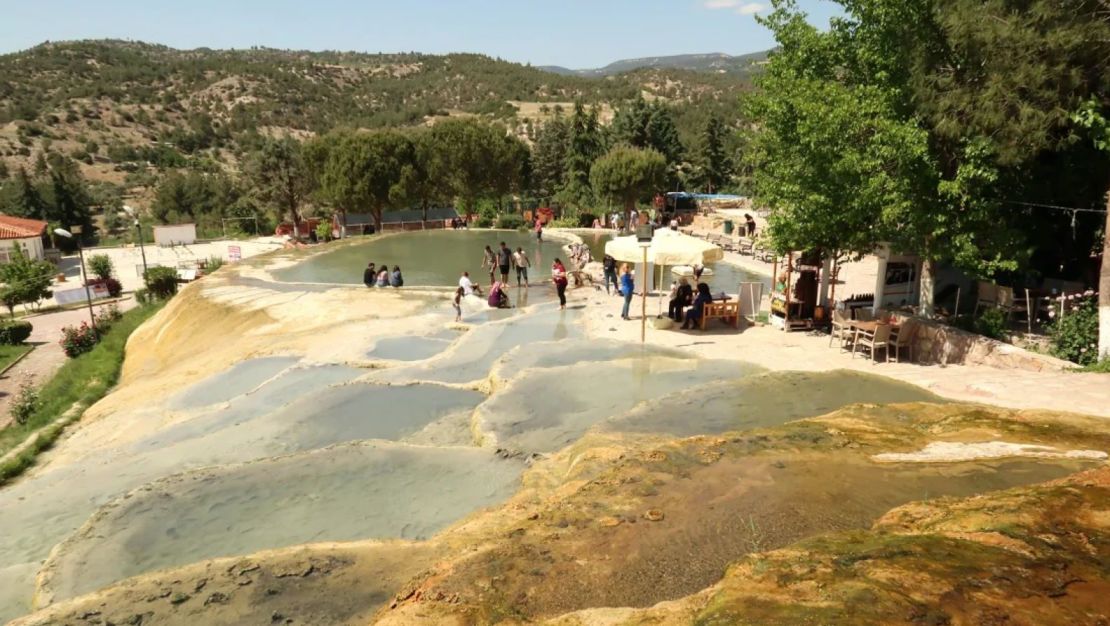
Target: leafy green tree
364 170
279 178
477 159
26 281
626 174
100 266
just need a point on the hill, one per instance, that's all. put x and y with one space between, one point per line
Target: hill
716 62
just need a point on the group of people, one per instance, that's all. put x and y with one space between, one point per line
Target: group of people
682 296
504 259
374 276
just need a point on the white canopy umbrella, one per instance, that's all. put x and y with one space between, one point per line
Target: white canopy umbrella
668 248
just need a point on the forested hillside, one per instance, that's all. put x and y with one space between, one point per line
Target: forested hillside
86 126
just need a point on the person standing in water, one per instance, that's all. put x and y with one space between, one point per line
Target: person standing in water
559 276
522 263
504 261
539 229
459 293
369 275
489 261
609 264
627 286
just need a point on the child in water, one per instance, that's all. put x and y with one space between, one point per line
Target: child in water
459 293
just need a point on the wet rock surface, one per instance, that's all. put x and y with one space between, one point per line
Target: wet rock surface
533 475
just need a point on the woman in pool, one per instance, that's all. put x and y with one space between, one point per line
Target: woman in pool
539 229
395 279
498 298
559 277
383 275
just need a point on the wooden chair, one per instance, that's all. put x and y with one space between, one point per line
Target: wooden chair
872 341
841 328
986 296
904 338
746 245
864 314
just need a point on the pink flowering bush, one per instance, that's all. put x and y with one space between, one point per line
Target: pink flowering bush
78 340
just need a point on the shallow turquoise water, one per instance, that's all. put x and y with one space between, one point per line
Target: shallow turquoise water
427 258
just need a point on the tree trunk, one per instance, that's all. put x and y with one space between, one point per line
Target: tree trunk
1104 290
928 287
377 213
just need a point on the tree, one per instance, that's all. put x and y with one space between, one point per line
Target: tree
628 174
26 281
279 178
715 166
22 198
365 170
478 159
585 145
549 156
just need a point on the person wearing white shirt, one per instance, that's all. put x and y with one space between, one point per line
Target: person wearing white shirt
469 288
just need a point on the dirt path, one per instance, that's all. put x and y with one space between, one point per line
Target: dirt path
47 356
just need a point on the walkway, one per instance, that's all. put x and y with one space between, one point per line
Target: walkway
47 356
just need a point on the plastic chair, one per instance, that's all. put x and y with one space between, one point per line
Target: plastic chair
872 341
904 338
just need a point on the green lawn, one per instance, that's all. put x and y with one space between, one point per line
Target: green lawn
9 354
83 381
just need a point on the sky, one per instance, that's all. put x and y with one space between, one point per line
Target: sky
571 33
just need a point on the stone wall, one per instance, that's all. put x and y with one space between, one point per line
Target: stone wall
938 343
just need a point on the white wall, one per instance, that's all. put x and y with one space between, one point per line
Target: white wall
176 234
32 246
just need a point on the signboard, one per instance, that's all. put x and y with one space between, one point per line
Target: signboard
234 253
71 296
645 233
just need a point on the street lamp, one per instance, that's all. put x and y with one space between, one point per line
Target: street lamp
139 227
61 232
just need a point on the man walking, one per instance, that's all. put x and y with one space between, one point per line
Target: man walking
504 261
520 260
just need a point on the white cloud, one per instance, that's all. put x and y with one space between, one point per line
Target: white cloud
739 6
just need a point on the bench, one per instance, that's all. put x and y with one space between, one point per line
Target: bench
746 245
725 310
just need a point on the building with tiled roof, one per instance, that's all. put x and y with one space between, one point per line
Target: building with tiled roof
26 233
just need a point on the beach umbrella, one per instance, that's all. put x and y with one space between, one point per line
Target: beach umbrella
668 248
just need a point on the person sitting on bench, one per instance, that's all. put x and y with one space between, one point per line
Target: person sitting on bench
693 316
683 296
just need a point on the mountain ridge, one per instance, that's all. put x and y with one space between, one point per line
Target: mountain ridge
719 62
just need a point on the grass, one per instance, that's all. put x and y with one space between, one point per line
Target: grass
1102 367
79 383
10 354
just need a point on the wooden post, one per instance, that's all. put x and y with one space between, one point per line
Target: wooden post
832 283
786 288
1029 311
956 313
643 300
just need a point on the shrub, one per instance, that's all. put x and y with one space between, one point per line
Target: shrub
78 340
1075 337
586 220
509 221
100 265
564 222
14 332
161 282
142 295
214 263
25 403
992 323
483 222
107 316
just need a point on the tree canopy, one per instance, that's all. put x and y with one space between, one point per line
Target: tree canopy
627 174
